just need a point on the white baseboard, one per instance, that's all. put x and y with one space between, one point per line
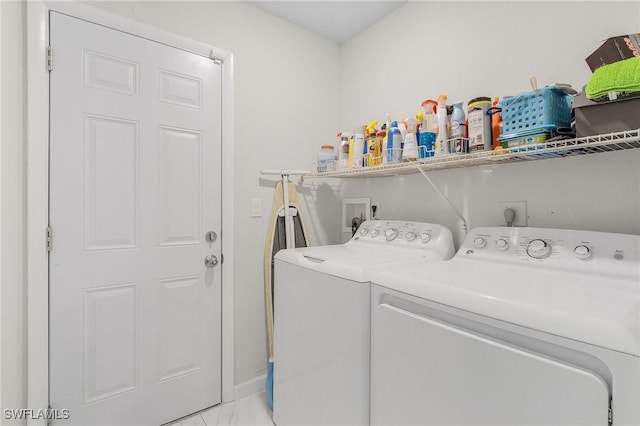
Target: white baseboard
250 387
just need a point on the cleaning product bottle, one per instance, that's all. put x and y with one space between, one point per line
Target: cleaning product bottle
410 147
402 125
428 129
386 126
442 138
351 151
357 156
458 128
496 121
343 150
380 138
372 143
393 153
479 124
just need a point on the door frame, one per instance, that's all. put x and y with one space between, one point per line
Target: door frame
38 184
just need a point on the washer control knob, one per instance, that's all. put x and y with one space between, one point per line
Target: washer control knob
391 234
425 237
479 242
363 231
582 252
502 244
538 249
375 232
410 236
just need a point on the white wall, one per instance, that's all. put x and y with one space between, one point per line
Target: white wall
470 49
12 215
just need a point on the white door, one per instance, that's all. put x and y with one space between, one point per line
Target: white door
135 185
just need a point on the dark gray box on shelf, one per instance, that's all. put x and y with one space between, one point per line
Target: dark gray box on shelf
615 49
595 118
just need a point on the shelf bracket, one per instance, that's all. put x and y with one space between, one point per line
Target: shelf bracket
444 197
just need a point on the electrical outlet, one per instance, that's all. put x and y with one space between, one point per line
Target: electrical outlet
520 208
375 210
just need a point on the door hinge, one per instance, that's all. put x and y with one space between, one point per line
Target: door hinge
221 258
610 412
49 238
49 58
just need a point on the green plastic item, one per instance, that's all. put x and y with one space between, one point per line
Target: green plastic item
621 76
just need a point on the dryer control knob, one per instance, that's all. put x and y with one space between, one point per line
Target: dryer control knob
582 252
375 232
363 231
502 244
538 249
391 234
425 237
410 236
479 242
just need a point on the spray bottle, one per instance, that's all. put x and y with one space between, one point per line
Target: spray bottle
442 138
410 147
428 129
402 125
373 147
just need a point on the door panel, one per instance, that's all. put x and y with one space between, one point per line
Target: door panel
110 210
135 160
425 372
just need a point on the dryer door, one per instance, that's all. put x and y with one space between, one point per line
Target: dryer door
429 373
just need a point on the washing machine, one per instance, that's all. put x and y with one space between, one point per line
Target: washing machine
322 319
523 326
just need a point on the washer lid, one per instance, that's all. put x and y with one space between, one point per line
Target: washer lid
355 263
599 309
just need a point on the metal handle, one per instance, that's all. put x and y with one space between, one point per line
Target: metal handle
211 261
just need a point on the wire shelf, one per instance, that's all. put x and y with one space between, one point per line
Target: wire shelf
554 149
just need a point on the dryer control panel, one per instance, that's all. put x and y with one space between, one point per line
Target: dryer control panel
404 234
560 247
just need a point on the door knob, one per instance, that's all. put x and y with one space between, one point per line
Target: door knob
211 261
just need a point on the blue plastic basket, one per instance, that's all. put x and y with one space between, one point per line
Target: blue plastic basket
543 109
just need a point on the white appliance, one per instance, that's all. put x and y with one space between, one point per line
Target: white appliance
322 319
523 326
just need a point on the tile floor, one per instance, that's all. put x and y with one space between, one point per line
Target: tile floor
249 411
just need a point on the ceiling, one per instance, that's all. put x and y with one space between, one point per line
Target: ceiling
335 20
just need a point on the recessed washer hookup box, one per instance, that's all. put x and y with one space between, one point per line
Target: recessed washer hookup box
615 49
597 118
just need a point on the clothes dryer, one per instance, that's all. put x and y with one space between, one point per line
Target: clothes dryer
523 326
322 319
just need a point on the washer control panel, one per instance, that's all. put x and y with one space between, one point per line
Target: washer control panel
586 249
416 235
